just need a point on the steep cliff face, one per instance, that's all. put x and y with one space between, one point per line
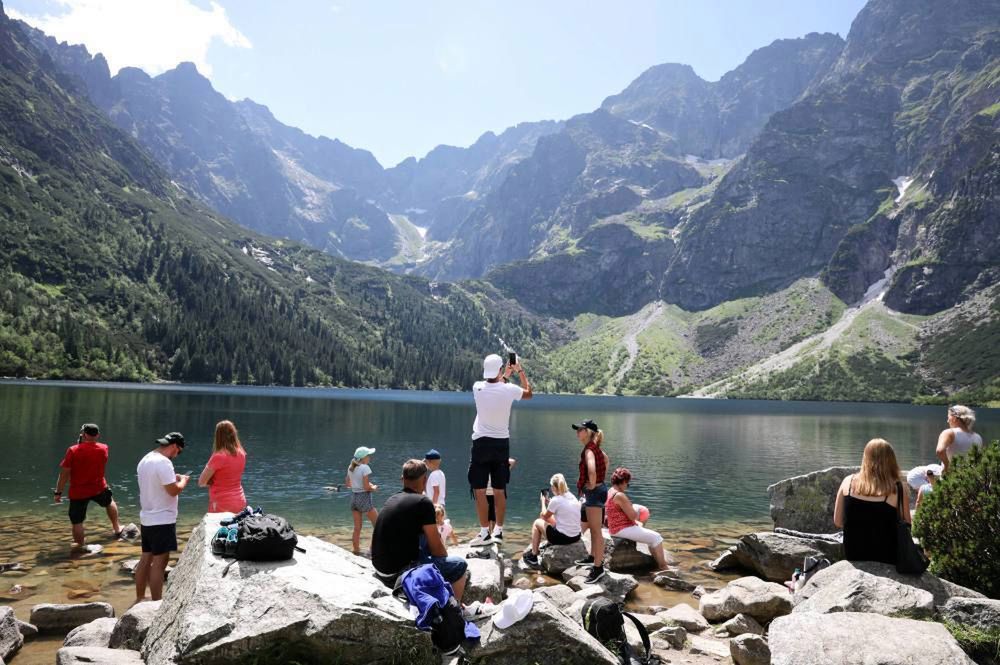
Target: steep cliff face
820 188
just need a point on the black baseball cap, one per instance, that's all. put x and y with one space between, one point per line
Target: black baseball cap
586 424
90 429
173 437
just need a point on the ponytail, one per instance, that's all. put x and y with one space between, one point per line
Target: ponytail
354 464
597 438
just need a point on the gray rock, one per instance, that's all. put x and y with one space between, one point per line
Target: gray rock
486 578
11 638
621 555
980 613
28 630
708 646
131 629
686 617
97 656
615 586
129 566
559 595
130 532
700 591
10 566
748 595
546 635
555 559
650 622
775 556
96 633
673 636
805 503
51 618
749 649
673 581
742 624
865 586
321 604
841 639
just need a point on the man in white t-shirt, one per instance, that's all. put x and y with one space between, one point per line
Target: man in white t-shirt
437 485
491 440
159 487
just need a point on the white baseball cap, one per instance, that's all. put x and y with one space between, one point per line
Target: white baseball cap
517 606
491 366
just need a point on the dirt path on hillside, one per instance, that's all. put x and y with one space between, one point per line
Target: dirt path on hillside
638 324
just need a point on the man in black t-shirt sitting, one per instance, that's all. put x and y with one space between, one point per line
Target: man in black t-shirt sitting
407 516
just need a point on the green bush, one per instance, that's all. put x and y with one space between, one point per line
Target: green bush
958 523
982 646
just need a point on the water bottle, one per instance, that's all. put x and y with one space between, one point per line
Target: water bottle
798 580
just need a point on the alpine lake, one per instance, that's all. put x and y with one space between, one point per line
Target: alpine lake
702 467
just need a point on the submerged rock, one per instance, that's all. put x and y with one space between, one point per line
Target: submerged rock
839 639
321 605
748 595
52 618
11 638
97 656
96 633
866 586
131 629
805 503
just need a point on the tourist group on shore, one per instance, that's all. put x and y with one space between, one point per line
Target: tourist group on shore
413 527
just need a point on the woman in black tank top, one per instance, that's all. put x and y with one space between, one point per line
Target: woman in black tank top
868 505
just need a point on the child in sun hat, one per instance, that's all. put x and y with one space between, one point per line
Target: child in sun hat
361 493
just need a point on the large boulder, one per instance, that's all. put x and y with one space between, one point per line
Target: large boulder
97 633
626 556
131 629
97 656
486 576
805 503
748 595
978 613
775 556
322 605
749 649
53 618
554 559
850 638
10 636
866 586
546 635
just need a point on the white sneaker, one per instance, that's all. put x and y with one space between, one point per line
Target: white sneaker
481 541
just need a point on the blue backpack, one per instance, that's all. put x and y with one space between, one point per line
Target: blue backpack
437 610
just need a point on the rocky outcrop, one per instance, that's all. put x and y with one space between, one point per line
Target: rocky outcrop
840 639
864 586
805 503
979 613
97 633
97 656
748 595
686 617
318 606
10 637
555 559
486 576
749 649
52 618
545 635
131 629
775 556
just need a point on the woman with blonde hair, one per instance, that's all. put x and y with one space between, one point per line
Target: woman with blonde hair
223 475
869 503
959 438
593 491
559 520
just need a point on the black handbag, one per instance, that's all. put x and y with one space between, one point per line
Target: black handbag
910 559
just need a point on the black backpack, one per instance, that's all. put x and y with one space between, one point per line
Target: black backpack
605 620
448 622
266 538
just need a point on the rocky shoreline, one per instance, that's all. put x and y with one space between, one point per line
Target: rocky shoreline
326 606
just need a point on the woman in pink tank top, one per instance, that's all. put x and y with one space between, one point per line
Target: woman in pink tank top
223 475
623 519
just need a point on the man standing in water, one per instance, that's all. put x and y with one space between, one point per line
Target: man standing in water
491 440
159 487
83 466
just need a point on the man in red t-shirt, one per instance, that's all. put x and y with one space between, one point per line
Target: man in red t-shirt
83 466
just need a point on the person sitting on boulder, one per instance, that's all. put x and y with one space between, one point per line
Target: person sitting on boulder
559 521
396 539
931 474
623 519
867 505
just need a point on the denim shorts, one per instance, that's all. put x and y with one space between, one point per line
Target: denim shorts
597 497
451 568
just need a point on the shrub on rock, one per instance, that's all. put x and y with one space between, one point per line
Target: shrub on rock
957 522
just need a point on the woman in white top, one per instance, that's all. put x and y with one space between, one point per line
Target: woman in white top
959 438
559 520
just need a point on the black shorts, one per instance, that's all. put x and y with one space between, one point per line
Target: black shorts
491 506
556 537
489 463
78 507
159 539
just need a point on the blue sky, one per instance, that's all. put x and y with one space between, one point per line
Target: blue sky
400 77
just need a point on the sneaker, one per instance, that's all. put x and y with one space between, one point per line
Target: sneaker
480 541
531 559
585 561
219 541
498 535
596 573
232 540
238 517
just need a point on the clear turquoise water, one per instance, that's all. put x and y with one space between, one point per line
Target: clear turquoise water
695 462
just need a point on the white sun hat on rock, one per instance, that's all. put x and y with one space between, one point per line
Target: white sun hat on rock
517 606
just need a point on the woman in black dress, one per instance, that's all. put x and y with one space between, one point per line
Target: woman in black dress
868 504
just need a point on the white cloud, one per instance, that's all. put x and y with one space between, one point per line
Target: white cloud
452 59
152 34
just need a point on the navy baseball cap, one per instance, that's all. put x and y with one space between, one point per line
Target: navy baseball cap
432 454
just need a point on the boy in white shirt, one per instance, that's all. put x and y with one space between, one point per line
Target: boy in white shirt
159 487
437 484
